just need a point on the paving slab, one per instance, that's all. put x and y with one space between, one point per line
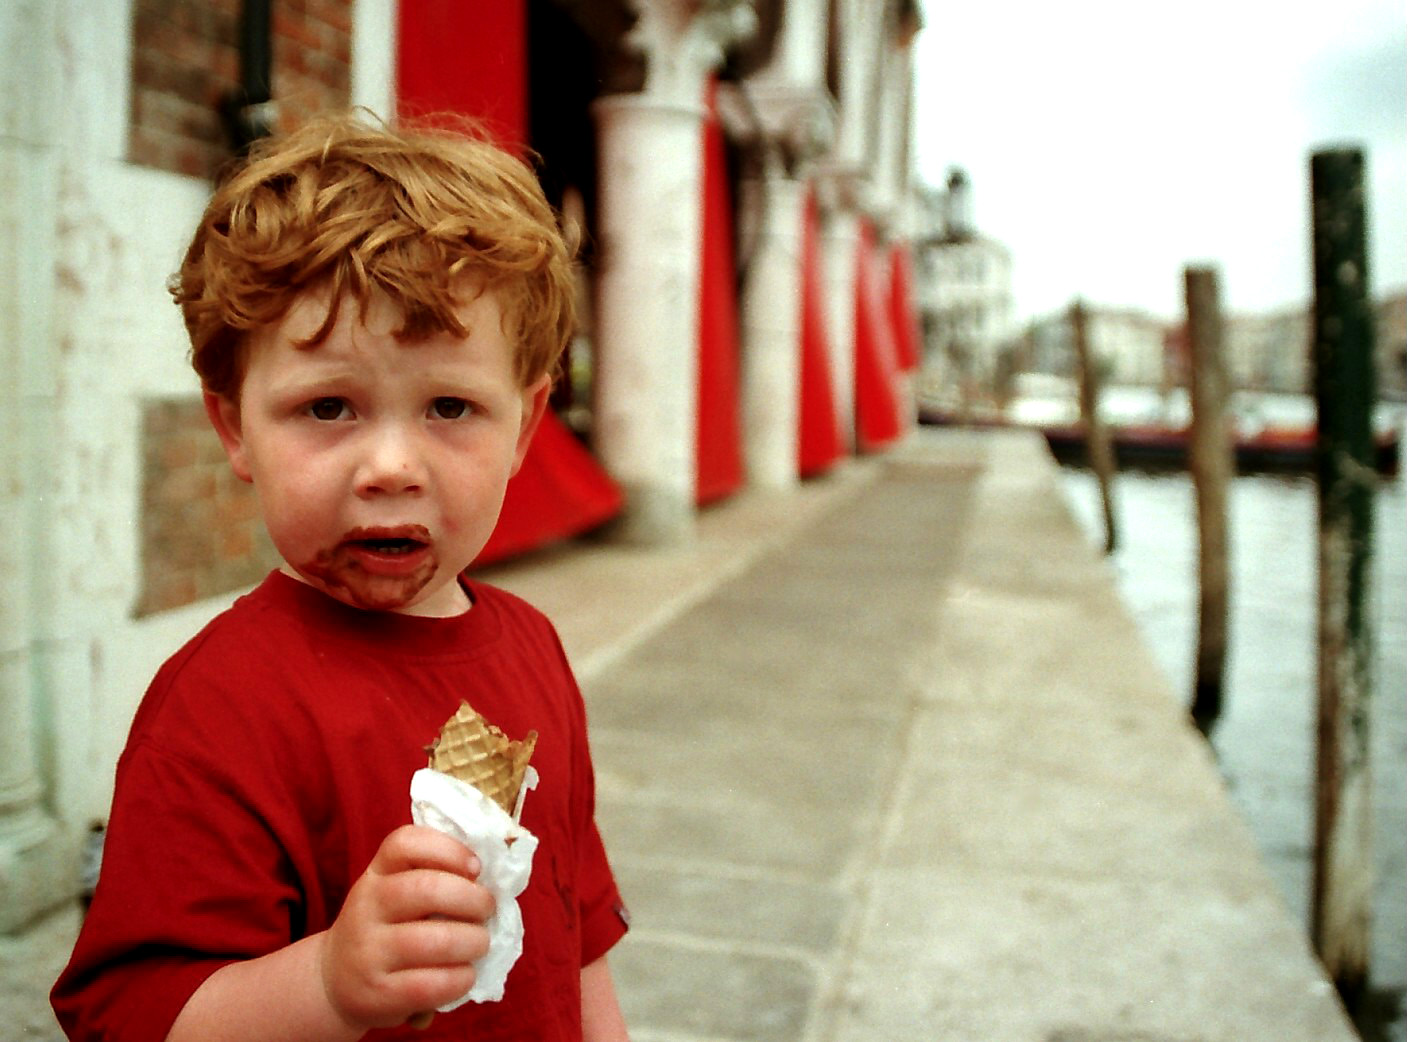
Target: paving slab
887 759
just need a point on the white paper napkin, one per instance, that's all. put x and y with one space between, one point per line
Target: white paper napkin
505 849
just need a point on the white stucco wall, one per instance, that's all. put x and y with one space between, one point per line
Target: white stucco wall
138 348
106 234
97 238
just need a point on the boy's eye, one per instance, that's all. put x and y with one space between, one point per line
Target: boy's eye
326 408
449 408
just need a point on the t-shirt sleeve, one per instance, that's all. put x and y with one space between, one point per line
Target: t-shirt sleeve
139 959
604 916
196 869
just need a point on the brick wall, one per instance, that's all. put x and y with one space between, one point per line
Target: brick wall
200 528
201 531
185 59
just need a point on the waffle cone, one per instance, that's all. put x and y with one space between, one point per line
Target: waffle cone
475 751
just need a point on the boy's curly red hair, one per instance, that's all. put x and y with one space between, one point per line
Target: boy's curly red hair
415 213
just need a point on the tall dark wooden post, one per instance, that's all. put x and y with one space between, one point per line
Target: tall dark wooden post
1344 396
1099 452
1211 462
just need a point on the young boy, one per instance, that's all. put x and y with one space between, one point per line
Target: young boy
374 317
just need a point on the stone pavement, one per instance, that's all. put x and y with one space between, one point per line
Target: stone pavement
885 759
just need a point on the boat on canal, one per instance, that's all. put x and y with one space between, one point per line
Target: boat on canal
1149 429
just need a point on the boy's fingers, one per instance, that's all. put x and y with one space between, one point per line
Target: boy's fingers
431 893
434 943
431 988
416 846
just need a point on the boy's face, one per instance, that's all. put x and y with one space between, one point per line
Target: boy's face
380 465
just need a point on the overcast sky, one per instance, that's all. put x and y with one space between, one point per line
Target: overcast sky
1110 143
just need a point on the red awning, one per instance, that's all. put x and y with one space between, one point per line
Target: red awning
819 442
472 60
877 367
558 492
904 316
718 448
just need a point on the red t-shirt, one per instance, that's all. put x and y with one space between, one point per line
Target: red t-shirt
270 758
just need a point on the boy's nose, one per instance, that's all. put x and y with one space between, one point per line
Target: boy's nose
390 465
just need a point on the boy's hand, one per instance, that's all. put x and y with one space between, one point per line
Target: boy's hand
408 931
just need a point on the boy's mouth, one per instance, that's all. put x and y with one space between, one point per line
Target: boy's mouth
390 537
376 548
379 568
389 546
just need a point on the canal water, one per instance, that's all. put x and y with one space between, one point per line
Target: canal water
1265 738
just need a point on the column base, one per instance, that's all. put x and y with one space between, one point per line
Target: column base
654 517
38 869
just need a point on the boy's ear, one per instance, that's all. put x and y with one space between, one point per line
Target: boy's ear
535 403
225 418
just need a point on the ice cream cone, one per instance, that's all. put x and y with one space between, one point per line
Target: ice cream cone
475 751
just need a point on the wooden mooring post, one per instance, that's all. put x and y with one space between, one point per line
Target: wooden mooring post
1210 459
1342 880
1099 452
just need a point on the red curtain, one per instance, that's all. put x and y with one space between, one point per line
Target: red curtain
469 59
718 447
877 365
904 316
559 491
472 60
818 429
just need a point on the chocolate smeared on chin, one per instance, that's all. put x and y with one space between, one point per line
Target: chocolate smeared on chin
347 569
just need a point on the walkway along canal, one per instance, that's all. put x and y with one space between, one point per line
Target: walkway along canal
1265 738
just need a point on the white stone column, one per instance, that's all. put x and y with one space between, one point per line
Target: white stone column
650 210
771 327
784 116
799 52
861 42
37 867
648 310
891 166
373 71
840 243
846 184
894 180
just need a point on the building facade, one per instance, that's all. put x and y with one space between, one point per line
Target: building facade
965 297
1128 345
1271 351
1268 352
